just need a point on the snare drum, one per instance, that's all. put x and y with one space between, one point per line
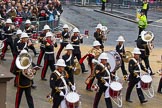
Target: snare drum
146 81
72 100
115 89
114 60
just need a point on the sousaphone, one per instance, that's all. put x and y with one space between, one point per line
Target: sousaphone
24 60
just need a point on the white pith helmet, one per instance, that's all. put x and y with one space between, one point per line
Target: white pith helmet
65 26
24 35
49 34
18 32
76 30
136 51
99 26
69 47
9 21
46 27
60 62
27 21
120 39
96 43
103 56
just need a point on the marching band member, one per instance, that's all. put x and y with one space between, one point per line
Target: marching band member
69 61
8 32
76 40
145 52
135 66
29 30
160 85
49 59
102 74
42 46
92 54
98 35
121 50
18 34
24 82
58 83
65 39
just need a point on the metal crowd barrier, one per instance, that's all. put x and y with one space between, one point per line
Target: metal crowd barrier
55 25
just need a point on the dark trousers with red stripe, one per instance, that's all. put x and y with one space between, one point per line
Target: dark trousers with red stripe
13 63
160 85
91 76
45 67
42 51
98 97
62 45
27 94
4 49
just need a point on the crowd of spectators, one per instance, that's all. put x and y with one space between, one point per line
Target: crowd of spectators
30 9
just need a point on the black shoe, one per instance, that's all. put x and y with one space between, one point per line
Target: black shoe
152 73
3 59
89 90
44 79
128 100
33 86
84 71
144 101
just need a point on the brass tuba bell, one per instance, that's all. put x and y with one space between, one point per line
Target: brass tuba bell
24 60
147 36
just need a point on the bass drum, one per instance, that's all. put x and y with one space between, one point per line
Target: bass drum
114 60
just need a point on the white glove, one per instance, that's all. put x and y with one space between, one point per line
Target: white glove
73 87
61 93
106 84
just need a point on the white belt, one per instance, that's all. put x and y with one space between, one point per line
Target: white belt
49 52
105 77
142 49
8 34
137 71
61 87
75 45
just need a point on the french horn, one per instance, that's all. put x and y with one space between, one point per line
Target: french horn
77 68
127 56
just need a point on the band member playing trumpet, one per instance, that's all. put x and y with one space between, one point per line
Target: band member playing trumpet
92 54
76 40
160 85
65 39
49 59
98 35
25 76
58 83
8 32
29 30
145 47
102 74
69 61
135 66
42 46
121 50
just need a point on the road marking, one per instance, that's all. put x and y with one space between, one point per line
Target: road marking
160 21
155 25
